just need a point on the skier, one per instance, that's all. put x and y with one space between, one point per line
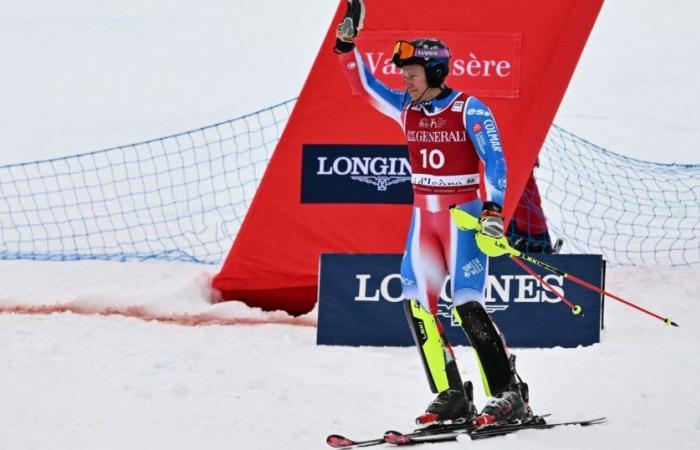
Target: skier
448 133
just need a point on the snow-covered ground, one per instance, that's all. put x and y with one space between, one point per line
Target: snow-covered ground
73 381
80 75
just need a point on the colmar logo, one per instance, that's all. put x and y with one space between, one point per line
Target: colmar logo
492 133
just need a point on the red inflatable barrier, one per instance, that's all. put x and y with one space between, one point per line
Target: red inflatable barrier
518 56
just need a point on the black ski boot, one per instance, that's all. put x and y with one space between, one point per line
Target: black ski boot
508 406
511 404
450 406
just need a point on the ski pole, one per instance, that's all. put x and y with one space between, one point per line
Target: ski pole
498 247
568 276
575 309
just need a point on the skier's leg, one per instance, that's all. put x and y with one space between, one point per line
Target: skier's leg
436 353
492 354
423 272
509 394
469 270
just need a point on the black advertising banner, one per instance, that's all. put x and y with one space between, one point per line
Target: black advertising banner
360 302
356 174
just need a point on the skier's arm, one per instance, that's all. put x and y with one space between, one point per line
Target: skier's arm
481 128
363 83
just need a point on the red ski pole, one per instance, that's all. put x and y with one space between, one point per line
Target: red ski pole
576 309
498 247
530 259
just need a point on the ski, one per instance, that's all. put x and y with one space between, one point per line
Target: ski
536 423
451 431
440 433
338 441
484 432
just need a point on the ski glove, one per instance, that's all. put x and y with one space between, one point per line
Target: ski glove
349 27
491 220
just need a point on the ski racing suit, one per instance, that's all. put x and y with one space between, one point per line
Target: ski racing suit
447 138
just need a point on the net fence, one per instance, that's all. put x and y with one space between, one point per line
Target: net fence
180 197
183 197
632 212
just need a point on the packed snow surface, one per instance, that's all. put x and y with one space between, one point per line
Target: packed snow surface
76 381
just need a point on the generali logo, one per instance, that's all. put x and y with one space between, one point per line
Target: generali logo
484 64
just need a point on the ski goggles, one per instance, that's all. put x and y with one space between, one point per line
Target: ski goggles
404 52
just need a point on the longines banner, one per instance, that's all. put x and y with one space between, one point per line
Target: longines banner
356 174
360 302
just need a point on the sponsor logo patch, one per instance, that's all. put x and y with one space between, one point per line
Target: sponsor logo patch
437 122
472 268
478 112
458 105
436 136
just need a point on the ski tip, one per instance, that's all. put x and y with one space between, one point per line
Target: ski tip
668 321
338 441
594 421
